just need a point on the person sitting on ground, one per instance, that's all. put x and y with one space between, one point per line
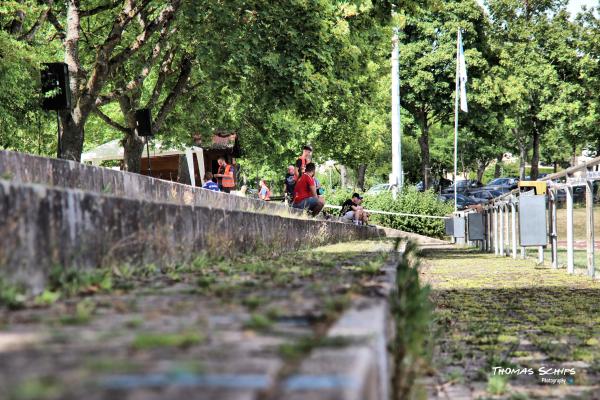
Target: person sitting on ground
288 184
209 182
265 192
353 211
305 192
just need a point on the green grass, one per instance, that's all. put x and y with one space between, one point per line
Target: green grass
496 311
579 223
145 341
259 322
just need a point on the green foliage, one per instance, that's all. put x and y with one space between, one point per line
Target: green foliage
413 316
73 281
338 197
47 297
11 295
258 322
497 384
82 314
145 341
413 202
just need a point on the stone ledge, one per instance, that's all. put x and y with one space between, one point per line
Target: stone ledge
44 227
360 371
27 168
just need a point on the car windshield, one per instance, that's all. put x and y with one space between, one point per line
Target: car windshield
498 181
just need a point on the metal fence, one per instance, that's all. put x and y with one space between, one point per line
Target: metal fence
515 222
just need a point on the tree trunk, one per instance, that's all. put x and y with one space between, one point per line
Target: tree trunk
73 121
343 176
535 158
424 145
481 166
133 147
362 169
555 169
498 166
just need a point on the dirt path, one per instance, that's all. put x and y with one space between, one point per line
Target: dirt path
508 329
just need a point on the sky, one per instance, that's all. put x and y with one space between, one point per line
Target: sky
574 5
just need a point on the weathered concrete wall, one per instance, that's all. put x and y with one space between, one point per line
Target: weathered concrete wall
26 168
42 227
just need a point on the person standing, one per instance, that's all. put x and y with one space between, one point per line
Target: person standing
288 184
303 160
305 192
225 176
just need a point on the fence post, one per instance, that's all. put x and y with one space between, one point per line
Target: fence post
589 211
570 255
508 230
501 223
490 216
495 210
513 215
553 229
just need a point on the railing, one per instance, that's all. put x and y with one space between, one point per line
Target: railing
503 220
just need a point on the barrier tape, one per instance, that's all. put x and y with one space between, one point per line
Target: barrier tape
392 213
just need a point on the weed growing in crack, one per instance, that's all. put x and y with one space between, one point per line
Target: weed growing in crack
412 312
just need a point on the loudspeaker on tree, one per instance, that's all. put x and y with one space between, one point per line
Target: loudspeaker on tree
143 122
55 86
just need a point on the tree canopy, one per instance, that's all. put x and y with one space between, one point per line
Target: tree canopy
292 72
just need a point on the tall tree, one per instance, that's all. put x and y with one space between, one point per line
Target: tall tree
427 59
118 32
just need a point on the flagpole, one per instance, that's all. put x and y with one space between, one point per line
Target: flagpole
456 121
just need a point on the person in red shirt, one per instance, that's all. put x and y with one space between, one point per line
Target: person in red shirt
303 160
305 192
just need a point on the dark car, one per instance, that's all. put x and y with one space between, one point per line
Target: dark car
435 184
463 186
482 196
504 184
462 201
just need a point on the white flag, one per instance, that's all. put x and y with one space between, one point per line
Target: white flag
462 74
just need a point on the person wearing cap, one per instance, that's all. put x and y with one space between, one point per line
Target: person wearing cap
353 211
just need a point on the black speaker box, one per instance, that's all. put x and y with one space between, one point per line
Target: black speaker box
143 122
55 87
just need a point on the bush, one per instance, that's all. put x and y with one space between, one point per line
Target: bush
337 197
410 201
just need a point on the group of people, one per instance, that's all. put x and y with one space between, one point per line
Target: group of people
301 188
223 180
304 191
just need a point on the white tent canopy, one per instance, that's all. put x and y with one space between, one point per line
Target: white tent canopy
113 150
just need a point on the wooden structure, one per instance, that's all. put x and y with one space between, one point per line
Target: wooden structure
182 165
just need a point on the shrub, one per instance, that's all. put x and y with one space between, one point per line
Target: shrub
410 201
337 197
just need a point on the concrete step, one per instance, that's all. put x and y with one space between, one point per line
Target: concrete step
44 227
25 168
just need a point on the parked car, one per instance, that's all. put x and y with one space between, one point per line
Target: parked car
482 196
436 185
379 188
504 184
462 201
463 186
